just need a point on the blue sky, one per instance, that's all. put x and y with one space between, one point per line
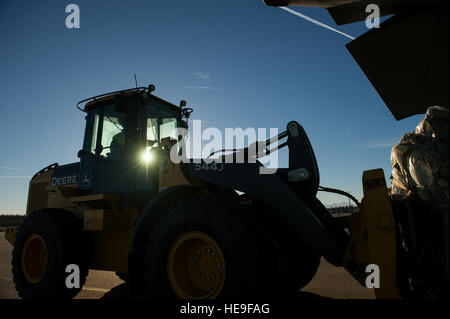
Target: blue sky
238 63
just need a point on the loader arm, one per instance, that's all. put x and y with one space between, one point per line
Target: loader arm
288 195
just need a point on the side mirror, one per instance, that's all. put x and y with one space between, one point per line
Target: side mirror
80 153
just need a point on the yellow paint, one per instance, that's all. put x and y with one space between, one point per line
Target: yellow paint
104 219
196 266
95 197
37 192
108 249
170 174
34 258
373 236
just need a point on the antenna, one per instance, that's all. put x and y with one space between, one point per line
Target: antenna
135 80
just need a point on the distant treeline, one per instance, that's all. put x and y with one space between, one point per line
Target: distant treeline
342 210
11 220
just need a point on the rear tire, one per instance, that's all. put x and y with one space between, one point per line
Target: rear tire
225 229
46 243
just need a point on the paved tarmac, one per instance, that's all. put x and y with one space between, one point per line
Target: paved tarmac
329 282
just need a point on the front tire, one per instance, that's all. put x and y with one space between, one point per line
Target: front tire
297 264
123 276
205 247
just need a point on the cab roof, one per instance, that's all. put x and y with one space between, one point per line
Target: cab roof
107 98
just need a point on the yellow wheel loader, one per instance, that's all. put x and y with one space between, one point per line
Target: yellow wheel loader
170 229
200 229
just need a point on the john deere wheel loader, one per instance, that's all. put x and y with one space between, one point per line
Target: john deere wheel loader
182 230
171 229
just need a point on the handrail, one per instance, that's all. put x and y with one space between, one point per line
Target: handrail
266 143
149 89
45 169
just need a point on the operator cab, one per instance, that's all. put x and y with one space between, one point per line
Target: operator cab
122 130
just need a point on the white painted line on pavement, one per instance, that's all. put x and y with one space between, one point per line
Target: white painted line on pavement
84 288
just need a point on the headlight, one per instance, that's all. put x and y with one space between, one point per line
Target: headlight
147 157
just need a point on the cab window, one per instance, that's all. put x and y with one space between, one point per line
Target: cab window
158 129
152 131
168 128
94 133
113 135
109 127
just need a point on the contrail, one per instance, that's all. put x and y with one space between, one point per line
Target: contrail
10 168
200 87
316 22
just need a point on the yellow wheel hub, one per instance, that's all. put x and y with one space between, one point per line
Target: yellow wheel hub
196 266
34 258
